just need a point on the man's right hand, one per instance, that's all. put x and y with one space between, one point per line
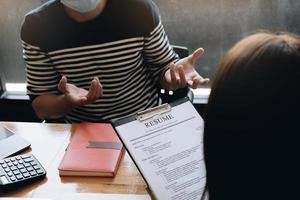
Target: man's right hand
77 96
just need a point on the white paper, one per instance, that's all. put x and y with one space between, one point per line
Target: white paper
168 150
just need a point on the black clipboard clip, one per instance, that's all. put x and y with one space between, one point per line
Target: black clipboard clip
151 112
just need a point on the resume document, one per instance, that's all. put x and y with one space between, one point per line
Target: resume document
168 150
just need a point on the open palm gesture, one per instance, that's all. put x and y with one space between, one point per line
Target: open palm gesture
184 74
79 96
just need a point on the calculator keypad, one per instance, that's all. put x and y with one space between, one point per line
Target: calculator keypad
19 168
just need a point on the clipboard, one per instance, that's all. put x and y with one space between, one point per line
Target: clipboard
165 143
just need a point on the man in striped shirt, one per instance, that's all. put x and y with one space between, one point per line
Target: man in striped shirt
97 60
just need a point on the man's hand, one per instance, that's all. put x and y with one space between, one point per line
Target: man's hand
78 96
183 73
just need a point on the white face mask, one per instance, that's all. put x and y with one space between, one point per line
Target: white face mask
81 6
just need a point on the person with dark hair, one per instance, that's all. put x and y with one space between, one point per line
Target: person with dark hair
94 60
252 118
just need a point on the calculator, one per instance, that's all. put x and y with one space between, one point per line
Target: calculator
18 170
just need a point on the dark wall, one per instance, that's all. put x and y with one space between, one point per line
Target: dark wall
212 24
217 24
11 15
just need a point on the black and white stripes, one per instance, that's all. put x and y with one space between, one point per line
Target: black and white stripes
128 69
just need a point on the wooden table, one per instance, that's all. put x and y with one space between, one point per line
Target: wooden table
48 143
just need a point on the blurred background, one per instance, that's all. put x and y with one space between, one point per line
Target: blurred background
214 25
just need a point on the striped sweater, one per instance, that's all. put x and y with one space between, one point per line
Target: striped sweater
125 47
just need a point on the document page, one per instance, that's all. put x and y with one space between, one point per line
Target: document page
168 150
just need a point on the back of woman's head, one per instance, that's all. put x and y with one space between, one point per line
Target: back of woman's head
250 117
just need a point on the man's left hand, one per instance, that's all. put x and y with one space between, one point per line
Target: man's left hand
184 74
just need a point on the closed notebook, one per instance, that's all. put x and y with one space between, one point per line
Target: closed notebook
94 150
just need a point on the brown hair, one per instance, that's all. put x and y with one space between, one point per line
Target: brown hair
255 63
249 117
